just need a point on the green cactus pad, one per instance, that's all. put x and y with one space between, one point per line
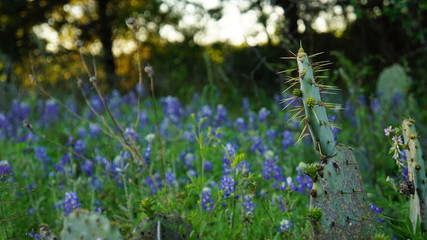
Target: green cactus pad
342 199
416 175
88 226
337 192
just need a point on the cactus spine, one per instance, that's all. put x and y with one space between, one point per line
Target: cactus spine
337 196
416 174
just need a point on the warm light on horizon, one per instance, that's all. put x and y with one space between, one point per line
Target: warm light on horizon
235 27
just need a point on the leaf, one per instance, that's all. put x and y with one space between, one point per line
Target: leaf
237 159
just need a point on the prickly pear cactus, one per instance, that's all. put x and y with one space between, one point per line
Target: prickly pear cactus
46 233
393 81
338 207
162 227
416 175
88 226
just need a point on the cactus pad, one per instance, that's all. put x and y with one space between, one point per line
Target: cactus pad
88 226
339 194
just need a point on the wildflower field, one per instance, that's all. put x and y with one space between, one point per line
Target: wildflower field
163 169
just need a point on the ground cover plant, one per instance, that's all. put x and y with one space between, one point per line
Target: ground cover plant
134 166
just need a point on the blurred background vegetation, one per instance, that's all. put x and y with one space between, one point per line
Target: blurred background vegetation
192 47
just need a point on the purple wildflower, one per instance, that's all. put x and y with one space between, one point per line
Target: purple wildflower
5 169
94 130
240 124
207 201
221 115
87 168
285 225
248 204
227 185
131 135
70 203
287 139
263 114
50 112
170 177
172 108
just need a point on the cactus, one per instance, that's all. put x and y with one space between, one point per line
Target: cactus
393 82
338 207
46 233
160 226
83 225
416 175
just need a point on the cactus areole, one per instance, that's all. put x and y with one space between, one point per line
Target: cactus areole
337 194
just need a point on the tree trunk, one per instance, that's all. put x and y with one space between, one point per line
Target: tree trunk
105 33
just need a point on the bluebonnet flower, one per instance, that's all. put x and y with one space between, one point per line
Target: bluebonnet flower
349 111
305 183
207 201
95 183
206 111
271 134
131 98
31 187
189 160
270 169
285 225
143 119
248 204
172 108
263 114
362 99
154 185
20 111
376 210
81 132
170 177
147 153
97 205
208 167
5 126
189 136
5 169
281 203
34 235
221 116
244 167
50 112
375 105
87 168
120 162
70 203
246 105
96 103
140 89
94 130
79 146
41 155
31 211
240 124
287 139
192 173
131 135
397 99
227 185
227 159
258 146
